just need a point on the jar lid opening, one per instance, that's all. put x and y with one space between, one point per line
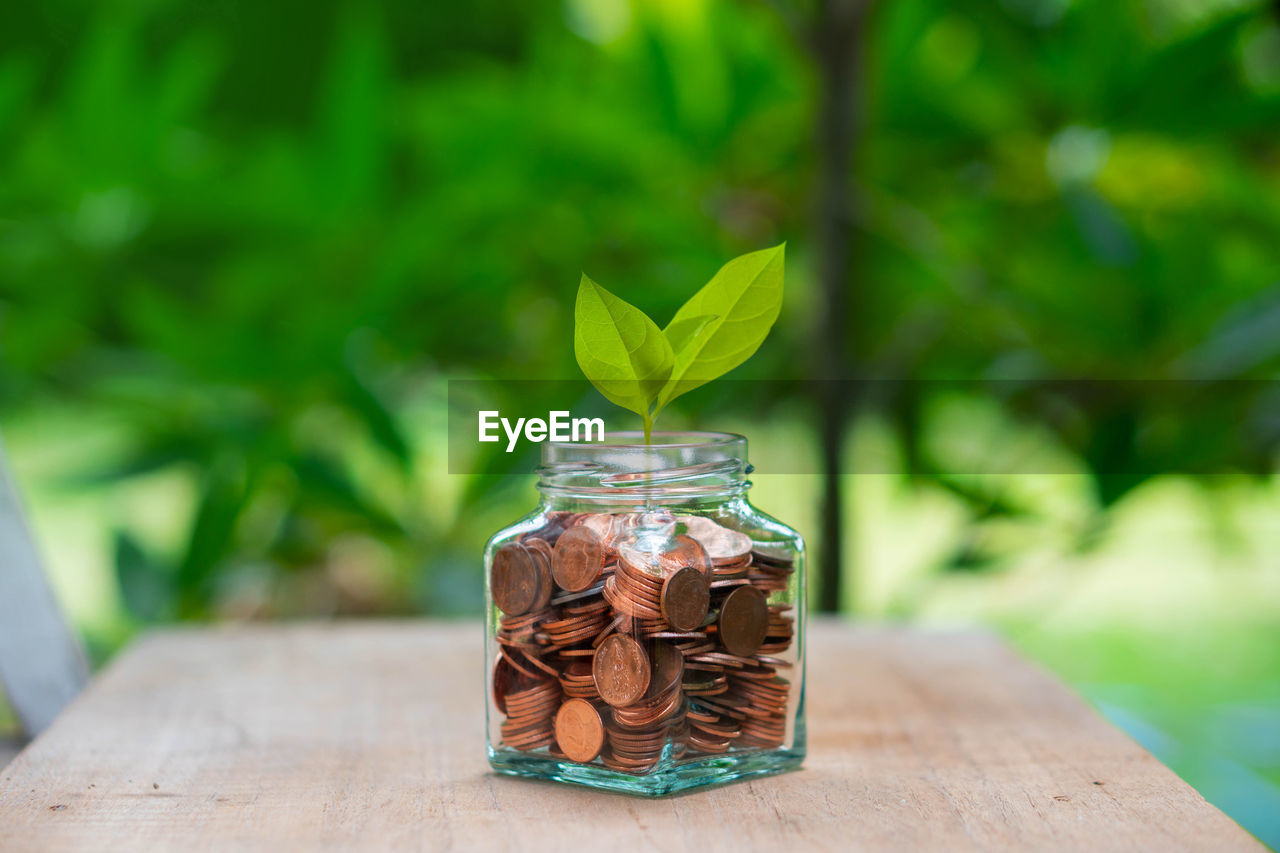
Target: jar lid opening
711 461
658 439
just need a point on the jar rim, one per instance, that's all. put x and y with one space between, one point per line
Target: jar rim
635 439
688 463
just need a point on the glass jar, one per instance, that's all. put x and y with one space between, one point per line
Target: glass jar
645 622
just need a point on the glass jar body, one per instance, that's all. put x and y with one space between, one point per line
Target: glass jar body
644 626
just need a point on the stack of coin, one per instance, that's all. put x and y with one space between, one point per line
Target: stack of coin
578 681
617 650
777 637
520 577
640 726
770 573
578 623
664 591
522 644
702 676
763 698
529 703
635 591
704 671
711 732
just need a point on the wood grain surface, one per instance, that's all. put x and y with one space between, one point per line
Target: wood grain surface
370 736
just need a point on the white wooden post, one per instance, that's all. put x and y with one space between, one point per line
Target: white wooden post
42 665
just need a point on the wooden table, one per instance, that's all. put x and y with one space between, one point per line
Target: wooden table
370 735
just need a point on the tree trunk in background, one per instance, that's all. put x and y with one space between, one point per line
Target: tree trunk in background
837 45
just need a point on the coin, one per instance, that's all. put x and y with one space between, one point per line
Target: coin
551 529
744 619
504 681
576 680
578 623
634 592
621 670
628 641
515 579
722 728
604 526
579 730
530 714
686 595
541 554
723 545
537 545
709 745
668 667
685 551
577 558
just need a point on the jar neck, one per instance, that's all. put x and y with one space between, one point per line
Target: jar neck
675 468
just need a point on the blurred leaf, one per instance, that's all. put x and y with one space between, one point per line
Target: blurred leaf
147 588
323 483
17 81
153 456
970 558
376 415
1200 67
353 111
211 539
983 503
1246 339
1103 230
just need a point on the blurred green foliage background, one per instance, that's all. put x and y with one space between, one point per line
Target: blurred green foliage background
244 245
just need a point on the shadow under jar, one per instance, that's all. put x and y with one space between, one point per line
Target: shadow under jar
645 622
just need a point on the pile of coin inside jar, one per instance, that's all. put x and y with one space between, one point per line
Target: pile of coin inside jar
623 633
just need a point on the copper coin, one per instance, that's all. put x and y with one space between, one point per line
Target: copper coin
686 595
577 559
505 678
602 524
549 532
722 544
686 551
514 579
668 666
579 730
621 670
744 619
535 544
542 563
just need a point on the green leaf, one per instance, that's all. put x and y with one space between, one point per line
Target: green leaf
622 351
683 333
725 322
